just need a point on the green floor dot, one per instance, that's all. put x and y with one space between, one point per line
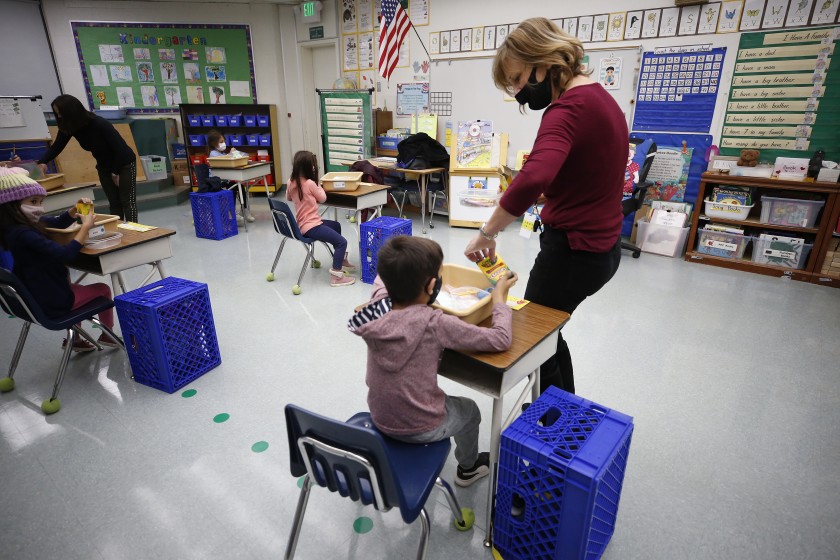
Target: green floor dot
362 525
189 393
300 481
219 418
259 447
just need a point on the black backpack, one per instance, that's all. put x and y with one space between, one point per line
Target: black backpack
421 151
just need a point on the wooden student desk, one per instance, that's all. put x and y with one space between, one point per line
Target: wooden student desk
368 195
135 249
535 332
241 175
67 196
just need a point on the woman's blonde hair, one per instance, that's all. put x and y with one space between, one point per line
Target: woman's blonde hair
538 41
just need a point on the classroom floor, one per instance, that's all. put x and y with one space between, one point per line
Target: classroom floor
731 377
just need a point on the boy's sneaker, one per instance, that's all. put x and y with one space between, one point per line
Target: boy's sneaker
479 470
338 279
80 345
106 340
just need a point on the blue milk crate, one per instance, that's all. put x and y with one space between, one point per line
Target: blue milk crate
214 214
250 120
198 140
561 469
262 120
207 120
374 234
265 139
194 120
221 120
235 120
253 139
169 333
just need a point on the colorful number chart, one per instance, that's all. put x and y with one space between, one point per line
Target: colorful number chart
677 89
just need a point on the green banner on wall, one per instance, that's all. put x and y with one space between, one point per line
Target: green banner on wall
154 67
346 127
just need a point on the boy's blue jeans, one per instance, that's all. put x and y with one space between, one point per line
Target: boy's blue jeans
462 421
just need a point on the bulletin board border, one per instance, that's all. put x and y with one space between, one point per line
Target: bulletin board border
75 25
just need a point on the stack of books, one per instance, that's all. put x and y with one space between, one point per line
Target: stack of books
779 250
726 194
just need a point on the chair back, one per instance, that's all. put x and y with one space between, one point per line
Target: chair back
16 300
284 220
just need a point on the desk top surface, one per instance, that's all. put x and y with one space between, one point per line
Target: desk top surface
393 167
69 187
531 325
251 165
364 188
129 239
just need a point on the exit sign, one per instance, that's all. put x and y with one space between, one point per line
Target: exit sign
311 11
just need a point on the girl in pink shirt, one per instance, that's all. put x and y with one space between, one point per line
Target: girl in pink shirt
306 194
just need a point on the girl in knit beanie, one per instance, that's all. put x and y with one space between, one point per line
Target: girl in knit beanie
39 262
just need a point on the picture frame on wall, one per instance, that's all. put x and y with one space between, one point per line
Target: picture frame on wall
570 26
489 38
774 14
466 39
584 33
600 25
650 25
752 13
689 19
799 11
633 27
455 41
477 38
501 34
709 15
616 28
730 16
668 22
444 42
434 42
825 13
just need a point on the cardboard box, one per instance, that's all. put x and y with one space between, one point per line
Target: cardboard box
179 165
180 178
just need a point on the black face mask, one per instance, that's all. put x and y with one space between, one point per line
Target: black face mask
436 289
536 95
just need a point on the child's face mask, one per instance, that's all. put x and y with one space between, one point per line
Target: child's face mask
33 213
222 146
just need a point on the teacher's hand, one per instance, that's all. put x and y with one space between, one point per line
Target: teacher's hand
480 247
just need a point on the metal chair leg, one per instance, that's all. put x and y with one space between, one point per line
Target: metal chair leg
277 257
86 335
424 537
110 332
24 332
400 204
310 256
298 521
433 201
65 358
451 499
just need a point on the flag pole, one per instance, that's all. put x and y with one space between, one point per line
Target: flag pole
421 42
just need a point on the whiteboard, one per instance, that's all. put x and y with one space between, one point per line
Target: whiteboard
34 124
474 96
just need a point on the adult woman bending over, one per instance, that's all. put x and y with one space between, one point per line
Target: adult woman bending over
113 156
577 163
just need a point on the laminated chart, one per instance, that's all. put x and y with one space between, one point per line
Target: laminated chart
785 96
346 127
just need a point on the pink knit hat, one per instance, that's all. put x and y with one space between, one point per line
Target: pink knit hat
15 184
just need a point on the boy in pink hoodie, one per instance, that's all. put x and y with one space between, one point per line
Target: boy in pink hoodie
405 338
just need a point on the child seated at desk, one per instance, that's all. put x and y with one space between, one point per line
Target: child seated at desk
218 148
405 337
39 262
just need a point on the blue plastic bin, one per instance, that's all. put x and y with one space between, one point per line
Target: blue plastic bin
561 469
235 120
198 140
179 151
221 120
262 120
236 140
207 120
374 233
253 139
250 120
194 120
265 139
214 214
387 142
169 333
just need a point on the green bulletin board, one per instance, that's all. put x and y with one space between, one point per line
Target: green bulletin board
785 95
346 126
153 67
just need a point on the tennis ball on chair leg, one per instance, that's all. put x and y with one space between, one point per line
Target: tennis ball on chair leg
269 277
469 519
51 406
7 384
316 264
296 290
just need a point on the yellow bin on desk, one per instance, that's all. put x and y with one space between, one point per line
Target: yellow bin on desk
458 276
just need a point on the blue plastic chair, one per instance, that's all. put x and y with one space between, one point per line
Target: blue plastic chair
16 300
286 225
355 460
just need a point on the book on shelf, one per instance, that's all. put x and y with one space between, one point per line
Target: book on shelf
726 194
724 229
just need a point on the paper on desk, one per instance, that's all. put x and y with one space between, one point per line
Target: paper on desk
136 227
516 303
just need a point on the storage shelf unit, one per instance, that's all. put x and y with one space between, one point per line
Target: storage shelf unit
819 236
254 126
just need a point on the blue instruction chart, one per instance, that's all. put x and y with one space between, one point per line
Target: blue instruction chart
677 90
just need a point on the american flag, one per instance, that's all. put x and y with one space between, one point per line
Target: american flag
394 26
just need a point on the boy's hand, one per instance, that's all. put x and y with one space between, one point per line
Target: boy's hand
503 286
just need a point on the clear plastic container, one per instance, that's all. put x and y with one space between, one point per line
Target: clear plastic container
726 211
790 211
662 240
485 198
154 167
722 244
778 252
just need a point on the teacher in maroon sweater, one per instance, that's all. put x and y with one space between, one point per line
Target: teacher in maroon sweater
577 163
114 158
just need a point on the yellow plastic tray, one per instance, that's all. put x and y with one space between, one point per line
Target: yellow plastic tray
66 235
457 276
342 181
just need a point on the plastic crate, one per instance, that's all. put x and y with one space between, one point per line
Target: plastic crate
169 333
668 241
374 233
253 139
154 167
235 120
721 244
250 120
198 140
262 120
207 120
781 251
561 470
214 214
179 151
221 120
387 142
790 211
235 139
265 139
194 120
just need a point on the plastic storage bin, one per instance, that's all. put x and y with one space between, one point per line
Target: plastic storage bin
154 167
194 120
458 276
198 140
169 333
790 211
207 120
234 120
781 253
722 244
214 214
561 470
374 234
250 120
253 139
221 120
66 235
179 151
387 142
235 139
726 211
663 240
265 139
262 120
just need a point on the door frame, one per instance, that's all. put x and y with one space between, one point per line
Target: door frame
311 107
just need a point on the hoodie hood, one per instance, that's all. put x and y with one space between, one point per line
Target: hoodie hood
392 336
